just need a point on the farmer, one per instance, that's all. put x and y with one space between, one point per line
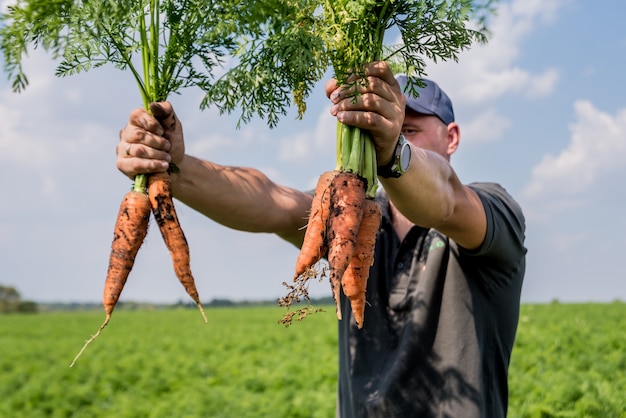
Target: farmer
444 292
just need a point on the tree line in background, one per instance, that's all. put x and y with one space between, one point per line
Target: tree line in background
11 301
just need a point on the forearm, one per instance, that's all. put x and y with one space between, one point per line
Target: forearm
241 198
431 195
425 194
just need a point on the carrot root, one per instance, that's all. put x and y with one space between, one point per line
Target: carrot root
347 198
314 243
93 337
131 228
354 280
160 194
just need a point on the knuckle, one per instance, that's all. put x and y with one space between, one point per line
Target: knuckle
136 135
137 114
140 151
369 100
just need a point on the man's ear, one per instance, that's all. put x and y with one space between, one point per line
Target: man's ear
454 137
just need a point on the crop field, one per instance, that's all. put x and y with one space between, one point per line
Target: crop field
569 361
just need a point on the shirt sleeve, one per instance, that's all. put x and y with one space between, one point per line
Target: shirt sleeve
503 248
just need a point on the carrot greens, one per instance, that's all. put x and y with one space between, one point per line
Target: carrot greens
279 48
166 44
302 39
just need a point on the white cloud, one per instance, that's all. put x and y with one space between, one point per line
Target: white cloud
487 126
547 11
485 73
296 147
308 143
206 145
596 149
14 146
543 84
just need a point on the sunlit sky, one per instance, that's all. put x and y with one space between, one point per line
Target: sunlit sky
542 111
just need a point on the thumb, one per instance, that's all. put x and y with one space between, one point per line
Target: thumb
164 113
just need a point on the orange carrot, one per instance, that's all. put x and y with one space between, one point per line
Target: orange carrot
131 228
354 280
314 243
347 198
160 194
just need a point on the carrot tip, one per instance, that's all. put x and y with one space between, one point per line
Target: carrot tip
93 337
336 297
206 321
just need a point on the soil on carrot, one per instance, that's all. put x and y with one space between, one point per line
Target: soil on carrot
298 292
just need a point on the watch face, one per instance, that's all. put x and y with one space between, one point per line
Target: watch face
405 157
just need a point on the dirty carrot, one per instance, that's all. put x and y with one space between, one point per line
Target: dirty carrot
160 194
347 198
130 230
314 243
354 280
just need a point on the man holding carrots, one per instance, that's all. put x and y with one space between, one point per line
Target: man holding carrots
444 291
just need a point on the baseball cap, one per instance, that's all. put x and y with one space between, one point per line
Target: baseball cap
431 100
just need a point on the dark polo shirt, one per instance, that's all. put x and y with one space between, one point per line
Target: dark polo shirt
440 321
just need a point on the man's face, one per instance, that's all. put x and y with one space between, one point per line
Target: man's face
427 132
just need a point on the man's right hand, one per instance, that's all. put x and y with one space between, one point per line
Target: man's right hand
149 143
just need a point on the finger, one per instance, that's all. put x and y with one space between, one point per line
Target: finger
133 150
133 166
378 97
136 135
353 88
164 113
372 92
365 102
381 70
379 80
371 121
376 70
142 119
331 87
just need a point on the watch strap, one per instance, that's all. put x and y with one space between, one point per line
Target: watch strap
392 169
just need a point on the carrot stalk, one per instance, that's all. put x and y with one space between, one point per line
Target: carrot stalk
354 280
160 194
130 231
314 243
347 198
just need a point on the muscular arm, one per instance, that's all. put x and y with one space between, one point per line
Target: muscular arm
241 198
431 195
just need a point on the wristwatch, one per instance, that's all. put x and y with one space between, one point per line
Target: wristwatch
399 164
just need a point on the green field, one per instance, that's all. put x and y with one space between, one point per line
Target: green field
569 361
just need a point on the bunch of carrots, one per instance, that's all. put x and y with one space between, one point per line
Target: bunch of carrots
343 222
152 193
344 217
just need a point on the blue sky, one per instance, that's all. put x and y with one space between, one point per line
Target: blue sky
542 111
